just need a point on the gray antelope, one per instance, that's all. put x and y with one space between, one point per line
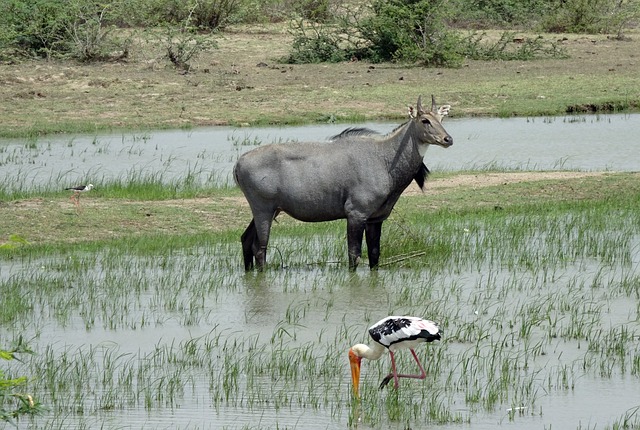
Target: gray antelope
358 175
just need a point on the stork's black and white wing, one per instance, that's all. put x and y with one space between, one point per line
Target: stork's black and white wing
397 332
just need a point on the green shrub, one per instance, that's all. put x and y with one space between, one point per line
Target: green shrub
499 13
183 43
202 14
397 30
313 10
410 31
36 27
592 16
75 29
510 47
92 37
314 43
183 46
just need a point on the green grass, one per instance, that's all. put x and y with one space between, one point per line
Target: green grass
537 298
148 214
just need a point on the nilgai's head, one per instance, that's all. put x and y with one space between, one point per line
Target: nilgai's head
430 124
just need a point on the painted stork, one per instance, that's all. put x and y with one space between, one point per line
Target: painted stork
393 333
75 197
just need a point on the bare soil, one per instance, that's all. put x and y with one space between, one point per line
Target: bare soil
480 180
244 82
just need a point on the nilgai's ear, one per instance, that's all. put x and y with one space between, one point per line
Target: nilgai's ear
443 111
419 106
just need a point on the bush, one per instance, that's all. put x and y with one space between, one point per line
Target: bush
592 16
509 47
500 13
92 36
202 14
397 30
315 44
57 29
313 10
183 43
411 31
37 27
182 46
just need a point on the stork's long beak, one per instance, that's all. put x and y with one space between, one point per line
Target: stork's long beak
355 371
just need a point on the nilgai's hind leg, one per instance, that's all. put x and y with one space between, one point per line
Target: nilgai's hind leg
372 232
355 230
249 241
255 240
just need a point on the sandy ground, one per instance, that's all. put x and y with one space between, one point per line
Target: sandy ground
437 185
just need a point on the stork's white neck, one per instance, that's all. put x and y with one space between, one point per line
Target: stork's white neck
370 353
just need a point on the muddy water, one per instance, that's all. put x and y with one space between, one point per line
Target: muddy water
604 142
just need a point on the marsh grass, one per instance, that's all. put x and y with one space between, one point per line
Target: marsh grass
194 182
536 299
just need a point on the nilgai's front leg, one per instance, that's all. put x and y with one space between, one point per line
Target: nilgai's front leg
355 230
373 232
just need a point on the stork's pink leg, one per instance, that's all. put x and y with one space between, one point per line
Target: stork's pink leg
394 373
422 375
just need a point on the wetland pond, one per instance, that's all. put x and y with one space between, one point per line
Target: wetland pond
206 155
540 311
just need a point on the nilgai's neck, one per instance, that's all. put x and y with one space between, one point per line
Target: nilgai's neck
405 158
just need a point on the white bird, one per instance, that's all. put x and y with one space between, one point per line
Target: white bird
75 197
393 333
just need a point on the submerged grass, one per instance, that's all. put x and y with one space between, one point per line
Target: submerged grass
538 298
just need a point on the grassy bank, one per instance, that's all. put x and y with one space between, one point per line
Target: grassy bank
50 221
242 82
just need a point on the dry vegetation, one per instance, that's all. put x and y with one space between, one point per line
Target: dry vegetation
242 82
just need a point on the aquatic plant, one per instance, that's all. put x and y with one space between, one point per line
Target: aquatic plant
536 301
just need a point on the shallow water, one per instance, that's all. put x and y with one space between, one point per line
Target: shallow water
541 332
191 341
603 142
